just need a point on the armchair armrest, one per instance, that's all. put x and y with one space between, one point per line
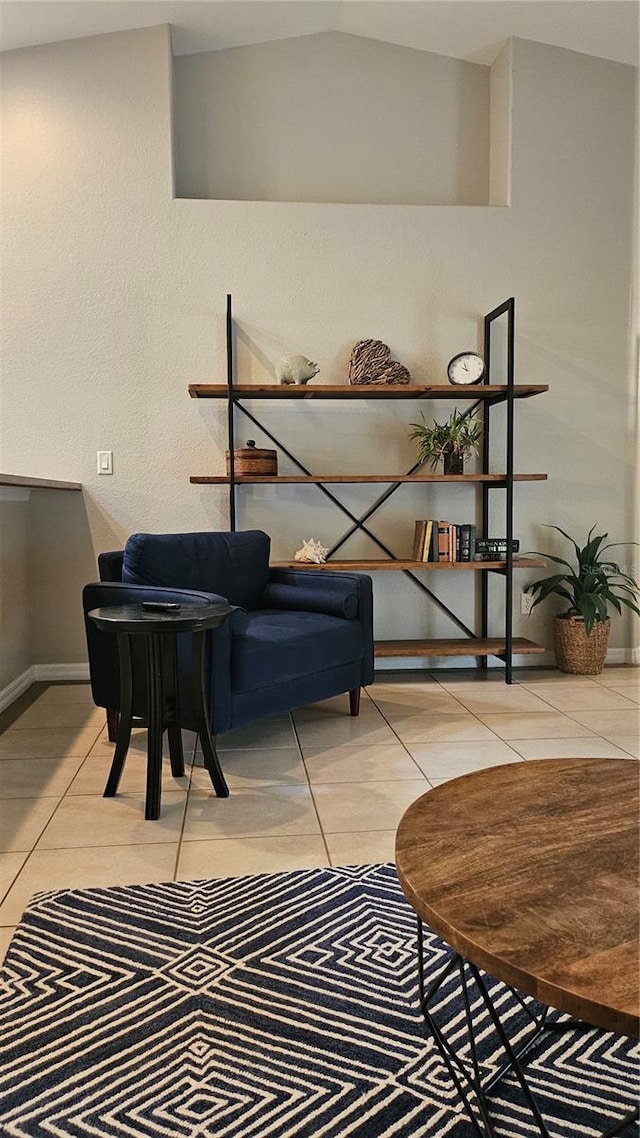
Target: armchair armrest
102 593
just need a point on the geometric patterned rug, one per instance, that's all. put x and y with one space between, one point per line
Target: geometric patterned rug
273 1006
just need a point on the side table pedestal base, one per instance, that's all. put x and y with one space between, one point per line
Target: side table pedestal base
159 631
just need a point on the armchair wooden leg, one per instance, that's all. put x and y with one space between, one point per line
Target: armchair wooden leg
112 724
354 701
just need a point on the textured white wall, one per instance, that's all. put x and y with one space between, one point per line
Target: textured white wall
500 111
332 118
114 301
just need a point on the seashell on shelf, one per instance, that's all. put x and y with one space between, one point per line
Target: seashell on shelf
312 551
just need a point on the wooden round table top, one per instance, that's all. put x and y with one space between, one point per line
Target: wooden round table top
530 871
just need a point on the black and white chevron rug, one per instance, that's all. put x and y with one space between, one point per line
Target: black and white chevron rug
276 1006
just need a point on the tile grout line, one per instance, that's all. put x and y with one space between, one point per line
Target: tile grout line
186 806
313 797
400 741
471 742
13 881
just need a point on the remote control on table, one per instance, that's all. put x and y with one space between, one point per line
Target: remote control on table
161 606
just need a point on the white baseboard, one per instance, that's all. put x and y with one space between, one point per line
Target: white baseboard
624 655
41 672
620 655
62 672
17 687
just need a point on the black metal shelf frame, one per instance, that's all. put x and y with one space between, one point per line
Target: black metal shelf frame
359 523
508 309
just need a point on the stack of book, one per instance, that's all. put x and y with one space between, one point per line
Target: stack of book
494 548
447 541
443 541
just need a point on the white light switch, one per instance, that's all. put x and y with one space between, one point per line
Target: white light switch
105 462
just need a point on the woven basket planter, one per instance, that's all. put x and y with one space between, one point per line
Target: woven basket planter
576 652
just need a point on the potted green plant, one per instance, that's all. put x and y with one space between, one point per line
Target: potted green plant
450 442
590 586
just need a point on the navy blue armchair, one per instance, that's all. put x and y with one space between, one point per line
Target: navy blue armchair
295 636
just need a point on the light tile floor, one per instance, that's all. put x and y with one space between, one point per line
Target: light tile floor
312 789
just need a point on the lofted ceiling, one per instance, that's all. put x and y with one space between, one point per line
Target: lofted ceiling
474 30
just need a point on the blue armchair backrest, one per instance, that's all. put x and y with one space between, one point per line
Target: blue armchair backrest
235 565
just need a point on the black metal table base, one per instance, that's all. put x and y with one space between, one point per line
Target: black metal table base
466 1075
162 713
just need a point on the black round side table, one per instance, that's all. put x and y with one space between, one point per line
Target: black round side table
160 630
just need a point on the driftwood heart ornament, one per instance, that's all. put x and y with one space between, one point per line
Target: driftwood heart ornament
371 362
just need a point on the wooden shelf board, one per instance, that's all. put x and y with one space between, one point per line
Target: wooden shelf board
384 564
319 479
492 391
492 646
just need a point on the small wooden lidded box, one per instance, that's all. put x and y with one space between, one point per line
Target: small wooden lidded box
253 460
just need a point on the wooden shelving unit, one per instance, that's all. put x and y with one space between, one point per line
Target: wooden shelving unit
481 398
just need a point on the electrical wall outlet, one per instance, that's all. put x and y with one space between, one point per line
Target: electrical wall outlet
105 461
526 602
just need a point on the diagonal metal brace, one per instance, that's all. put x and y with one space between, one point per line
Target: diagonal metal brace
358 523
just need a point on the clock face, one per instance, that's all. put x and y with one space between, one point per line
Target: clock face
468 367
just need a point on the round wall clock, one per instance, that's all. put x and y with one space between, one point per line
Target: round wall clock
467 367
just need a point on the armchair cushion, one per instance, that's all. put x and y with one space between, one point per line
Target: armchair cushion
235 565
280 647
